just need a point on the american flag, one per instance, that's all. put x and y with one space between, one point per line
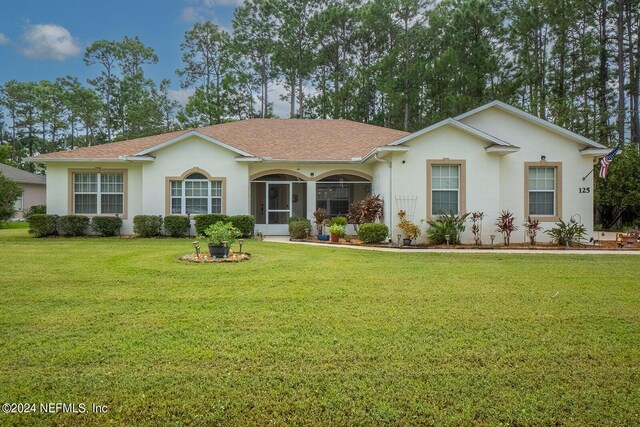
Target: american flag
606 160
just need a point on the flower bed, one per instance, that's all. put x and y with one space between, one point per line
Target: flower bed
205 258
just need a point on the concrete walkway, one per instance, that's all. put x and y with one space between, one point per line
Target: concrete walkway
285 239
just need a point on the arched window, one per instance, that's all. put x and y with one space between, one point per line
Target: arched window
335 193
196 194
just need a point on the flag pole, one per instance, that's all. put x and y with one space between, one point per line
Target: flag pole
585 177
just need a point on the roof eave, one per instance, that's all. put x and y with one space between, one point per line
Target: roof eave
384 151
121 159
595 152
501 150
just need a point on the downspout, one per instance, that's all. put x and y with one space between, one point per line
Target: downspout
390 190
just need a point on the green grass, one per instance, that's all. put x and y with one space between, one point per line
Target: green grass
312 335
14 225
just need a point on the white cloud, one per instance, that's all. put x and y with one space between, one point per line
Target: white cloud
182 96
49 41
204 10
280 108
3 39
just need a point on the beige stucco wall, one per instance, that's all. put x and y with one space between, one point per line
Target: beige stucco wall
59 187
536 141
410 177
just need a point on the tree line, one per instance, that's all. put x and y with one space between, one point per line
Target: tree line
401 64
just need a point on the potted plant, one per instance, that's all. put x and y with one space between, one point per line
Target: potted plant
220 236
337 231
411 230
320 217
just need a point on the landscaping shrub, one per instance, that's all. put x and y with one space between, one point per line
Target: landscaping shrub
9 193
176 225
532 226
505 225
202 222
373 233
340 220
35 209
244 223
567 233
365 211
42 225
337 230
73 225
451 225
147 225
106 225
298 228
297 218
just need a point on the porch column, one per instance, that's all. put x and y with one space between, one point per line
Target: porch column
311 199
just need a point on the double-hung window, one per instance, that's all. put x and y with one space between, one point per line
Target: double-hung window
196 194
98 193
542 191
445 189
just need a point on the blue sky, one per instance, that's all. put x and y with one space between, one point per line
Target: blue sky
45 39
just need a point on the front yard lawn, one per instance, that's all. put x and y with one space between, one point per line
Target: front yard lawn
306 335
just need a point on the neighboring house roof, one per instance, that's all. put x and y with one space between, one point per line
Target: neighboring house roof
276 139
23 177
531 118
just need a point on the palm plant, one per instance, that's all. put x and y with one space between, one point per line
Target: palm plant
505 225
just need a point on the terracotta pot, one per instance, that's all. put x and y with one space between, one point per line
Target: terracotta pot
335 238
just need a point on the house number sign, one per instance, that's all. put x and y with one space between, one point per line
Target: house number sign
584 190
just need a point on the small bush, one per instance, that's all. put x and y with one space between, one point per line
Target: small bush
340 220
244 223
373 233
451 225
567 233
298 229
147 225
337 230
176 225
73 225
202 222
297 218
221 232
42 225
106 225
35 210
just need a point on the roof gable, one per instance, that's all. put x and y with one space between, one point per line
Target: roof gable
189 134
532 119
459 125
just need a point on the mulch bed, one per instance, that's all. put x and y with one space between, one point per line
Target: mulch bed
601 245
206 258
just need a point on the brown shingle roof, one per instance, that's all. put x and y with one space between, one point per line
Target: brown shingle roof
280 139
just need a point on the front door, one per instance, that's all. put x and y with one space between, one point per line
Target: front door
278 207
